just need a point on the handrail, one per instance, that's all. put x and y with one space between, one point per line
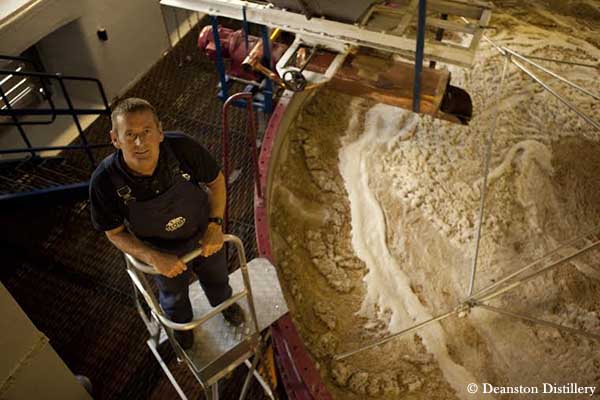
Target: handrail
153 303
250 137
52 110
46 92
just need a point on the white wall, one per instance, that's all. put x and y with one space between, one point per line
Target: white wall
136 40
66 35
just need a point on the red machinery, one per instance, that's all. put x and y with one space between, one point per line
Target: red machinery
233 47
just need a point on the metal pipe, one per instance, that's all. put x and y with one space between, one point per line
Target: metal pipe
246 30
539 321
3 81
549 72
486 171
532 264
419 55
12 89
259 54
219 56
466 304
151 300
214 391
533 275
145 293
564 62
141 311
261 381
246 278
18 97
104 97
386 339
76 120
246 384
199 321
556 94
47 75
166 370
17 123
250 137
505 51
268 89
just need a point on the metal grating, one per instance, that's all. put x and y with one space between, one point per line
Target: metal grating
72 282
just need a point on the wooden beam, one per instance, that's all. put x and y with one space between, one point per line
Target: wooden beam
484 21
385 81
405 21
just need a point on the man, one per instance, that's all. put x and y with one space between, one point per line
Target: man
155 198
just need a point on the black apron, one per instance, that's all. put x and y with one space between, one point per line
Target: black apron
174 221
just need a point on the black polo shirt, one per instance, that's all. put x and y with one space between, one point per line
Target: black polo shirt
108 209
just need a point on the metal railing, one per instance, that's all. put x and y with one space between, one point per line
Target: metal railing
137 271
52 110
142 285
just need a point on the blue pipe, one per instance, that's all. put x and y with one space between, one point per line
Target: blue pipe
268 91
419 55
220 65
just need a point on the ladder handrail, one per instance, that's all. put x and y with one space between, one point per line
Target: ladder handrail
141 284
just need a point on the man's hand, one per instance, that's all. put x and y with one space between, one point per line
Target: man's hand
167 264
212 240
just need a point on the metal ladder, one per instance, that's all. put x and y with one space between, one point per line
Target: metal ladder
219 347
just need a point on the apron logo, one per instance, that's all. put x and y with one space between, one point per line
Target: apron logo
175 224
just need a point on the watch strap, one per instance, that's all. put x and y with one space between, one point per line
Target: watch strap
216 220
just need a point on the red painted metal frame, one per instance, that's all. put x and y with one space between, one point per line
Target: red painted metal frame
300 376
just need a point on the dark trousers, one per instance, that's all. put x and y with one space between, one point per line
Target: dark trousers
213 276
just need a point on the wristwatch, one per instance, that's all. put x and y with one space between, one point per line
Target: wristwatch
216 220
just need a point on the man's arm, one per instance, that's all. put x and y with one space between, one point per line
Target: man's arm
167 264
217 197
213 237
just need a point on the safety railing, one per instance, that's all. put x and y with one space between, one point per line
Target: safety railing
141 284
7 110
251 140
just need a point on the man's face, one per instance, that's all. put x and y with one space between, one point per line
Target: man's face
138 136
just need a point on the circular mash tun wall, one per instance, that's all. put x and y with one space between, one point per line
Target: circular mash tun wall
374 213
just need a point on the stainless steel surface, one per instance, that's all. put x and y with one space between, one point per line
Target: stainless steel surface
217 343
219 347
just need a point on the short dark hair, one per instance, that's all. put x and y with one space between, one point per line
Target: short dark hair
131 105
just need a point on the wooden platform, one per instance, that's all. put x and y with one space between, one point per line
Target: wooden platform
387 81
